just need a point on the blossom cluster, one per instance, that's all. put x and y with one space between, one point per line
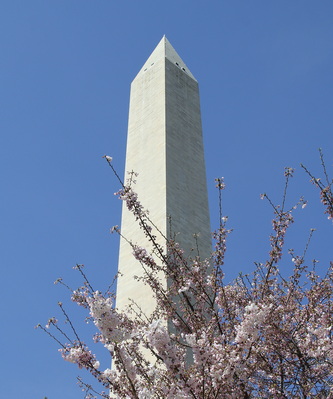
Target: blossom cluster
79 354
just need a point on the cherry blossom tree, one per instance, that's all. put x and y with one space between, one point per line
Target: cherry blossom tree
264 335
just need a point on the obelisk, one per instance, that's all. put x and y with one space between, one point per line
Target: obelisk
165 149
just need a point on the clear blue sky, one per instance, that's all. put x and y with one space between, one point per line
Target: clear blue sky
266 83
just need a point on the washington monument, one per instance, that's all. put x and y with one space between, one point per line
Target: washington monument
164 146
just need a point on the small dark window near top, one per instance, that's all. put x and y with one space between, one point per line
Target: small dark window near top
177 64
145 69
183 69
152 64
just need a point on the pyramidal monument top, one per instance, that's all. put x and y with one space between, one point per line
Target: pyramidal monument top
165 50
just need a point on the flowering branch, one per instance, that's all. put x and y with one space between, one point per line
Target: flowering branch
262 335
